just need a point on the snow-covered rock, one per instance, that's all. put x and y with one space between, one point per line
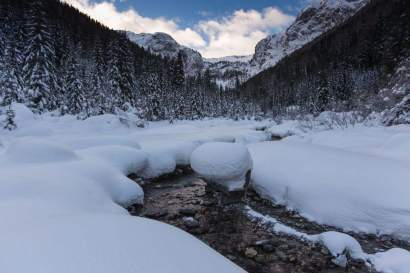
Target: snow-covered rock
223 163
340 244
395 260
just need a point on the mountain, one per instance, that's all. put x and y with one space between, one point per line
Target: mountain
164 45
350 67
230 71
225 71
313 21
316 19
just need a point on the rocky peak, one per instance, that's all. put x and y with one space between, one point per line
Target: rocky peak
313 21
164 45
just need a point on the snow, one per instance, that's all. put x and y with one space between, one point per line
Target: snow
106 243
231 59
332 186
338 243
395 260
222 163
28 150
126 159
64 186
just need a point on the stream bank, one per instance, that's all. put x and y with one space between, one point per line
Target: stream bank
183 200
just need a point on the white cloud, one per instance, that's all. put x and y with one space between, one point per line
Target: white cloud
232 35
239 33
106 13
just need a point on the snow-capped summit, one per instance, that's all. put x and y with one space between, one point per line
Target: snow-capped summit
319 17
163 44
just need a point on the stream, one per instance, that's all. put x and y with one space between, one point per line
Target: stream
183 200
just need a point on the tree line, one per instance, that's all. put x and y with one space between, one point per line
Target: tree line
54 58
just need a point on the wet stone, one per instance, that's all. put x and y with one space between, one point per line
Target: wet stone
190 222
268 247
187 211
155 214
251 252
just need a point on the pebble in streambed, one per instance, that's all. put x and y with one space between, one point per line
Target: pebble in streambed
183 201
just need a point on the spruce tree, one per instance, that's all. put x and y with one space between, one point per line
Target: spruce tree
39 69
179 74
9 123
76 102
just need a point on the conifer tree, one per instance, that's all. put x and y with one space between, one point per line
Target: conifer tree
76 101
39 69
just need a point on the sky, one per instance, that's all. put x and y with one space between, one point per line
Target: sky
215 28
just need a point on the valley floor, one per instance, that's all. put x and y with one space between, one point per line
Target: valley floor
64 189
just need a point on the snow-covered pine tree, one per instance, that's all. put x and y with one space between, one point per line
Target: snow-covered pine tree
10 82
114 78
179 74
98 78
39 71
9 123
8 98
125 66
75 99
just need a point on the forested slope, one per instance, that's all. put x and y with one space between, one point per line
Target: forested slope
54 58
343 69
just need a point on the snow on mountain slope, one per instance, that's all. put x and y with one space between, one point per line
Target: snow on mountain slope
313 21
232 59
228 71
319 17
164 45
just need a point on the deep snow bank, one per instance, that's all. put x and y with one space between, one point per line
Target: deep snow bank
332 186
105 243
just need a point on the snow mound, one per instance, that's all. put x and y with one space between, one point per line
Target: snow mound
340 244
222 163
127 160
38 151
23 113
395 260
